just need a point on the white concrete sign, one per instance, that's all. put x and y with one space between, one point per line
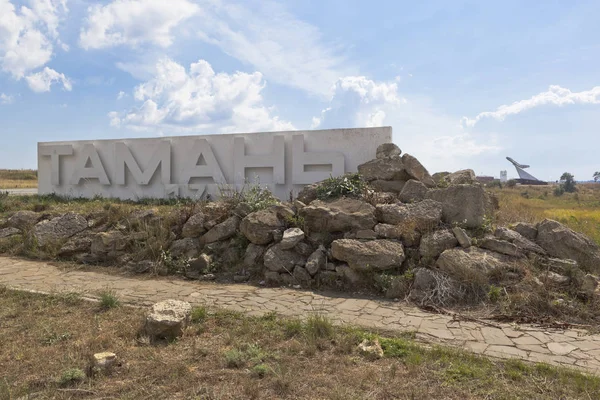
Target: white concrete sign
196 166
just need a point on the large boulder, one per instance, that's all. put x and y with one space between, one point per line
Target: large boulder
374 255
253 255
340 215
222 231
186 247
413 191
462 177
316 261
23 219
78 244
291 237
59 228
386 169
277 259
434 243
467 205
472 263
528 231
562 242
258 227
8 232
387 186
168 319
308 194
522 243
388 150
500 246
415 170
423 285
422 216
194 227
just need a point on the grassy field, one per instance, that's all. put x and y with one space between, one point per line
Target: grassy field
18 179
46 343
580 211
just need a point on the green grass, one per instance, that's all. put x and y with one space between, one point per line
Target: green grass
264 357
109 300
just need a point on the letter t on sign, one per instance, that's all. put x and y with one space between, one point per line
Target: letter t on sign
275 160
54 152
300 158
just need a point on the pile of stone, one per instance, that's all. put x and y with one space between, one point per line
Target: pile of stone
434 226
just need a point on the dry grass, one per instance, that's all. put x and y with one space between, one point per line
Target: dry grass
46 342
580 211
18 179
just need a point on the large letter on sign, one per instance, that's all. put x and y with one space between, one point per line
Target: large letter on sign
55 151
275 160
89 155
300 158
161 156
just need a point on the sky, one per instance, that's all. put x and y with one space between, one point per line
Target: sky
462 83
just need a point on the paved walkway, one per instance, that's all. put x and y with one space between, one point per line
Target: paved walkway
574 348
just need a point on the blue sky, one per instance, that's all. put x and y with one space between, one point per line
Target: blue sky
463 84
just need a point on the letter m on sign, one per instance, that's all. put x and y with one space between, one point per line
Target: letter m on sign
161 157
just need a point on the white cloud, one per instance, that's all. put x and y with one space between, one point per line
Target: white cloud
199 99
121 95
134 22
285 49
555 95
6 99
27 34
43 80
436 139
358 101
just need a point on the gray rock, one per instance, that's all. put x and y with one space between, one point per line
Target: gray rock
461 235
291 237
328 278
194 227
467 205
59 228
104 361
518 240
423 284
413 191
188 248
253 255
366 234
387 150
198 266
438 177
387 186
272 278
144 215
422 216
374 255
316 261
529 231
388 231
23 220
589 285
500 246
385 169
304 249
277 259
222 231
259 226
340 215
472 263
308 194
561 266
434 243
462 177
78 244
415 170
8 232
398 289
554 279
301 276
348 274
562 242
168 319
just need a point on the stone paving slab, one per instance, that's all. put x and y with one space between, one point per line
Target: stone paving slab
574 348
